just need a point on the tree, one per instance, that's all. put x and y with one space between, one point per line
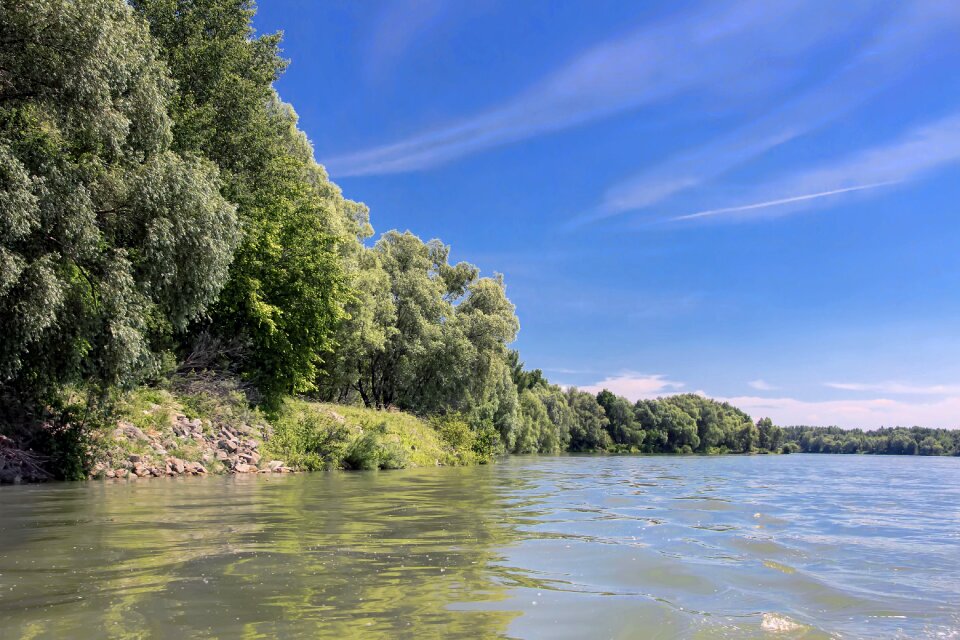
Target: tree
622 425
770 435
588 428
111 240
291 280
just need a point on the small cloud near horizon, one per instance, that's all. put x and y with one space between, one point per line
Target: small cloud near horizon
762 385
635 386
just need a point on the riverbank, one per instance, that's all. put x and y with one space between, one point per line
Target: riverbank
204 425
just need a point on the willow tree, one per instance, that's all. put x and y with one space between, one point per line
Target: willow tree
111 240
294 270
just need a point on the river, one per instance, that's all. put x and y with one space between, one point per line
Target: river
799 546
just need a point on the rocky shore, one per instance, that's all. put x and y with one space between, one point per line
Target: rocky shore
190 447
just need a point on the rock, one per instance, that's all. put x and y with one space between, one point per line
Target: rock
251 458
243 468
155 472
245 429
130 431
158 448
120 473
222 455
196 424
228 445
252 444
111 473
177 465
206 457
274 465
134 458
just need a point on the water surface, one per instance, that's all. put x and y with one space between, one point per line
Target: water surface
797 546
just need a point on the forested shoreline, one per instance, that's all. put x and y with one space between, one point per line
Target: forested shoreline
164 220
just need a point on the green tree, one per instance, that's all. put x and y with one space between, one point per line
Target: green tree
588 429
111 239
291 279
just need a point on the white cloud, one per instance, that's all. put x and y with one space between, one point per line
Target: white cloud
712 52
920 151
867 414
910 34
636 386
778 202
898 388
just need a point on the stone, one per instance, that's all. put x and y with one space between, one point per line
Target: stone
134 458
206 457
177 465
274 465
252 444
158 448
155 472
111 473
130 431
222 455
196 424
243 468
251 458
228 445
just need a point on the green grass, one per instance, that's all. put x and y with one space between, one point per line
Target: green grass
313 436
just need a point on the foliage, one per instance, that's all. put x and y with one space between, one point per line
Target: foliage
289 282
883 441
110 239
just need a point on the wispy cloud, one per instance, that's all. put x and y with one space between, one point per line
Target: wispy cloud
779 202
711 52
919 152
762 385
403 23
898 388
866 414
636 386
911 32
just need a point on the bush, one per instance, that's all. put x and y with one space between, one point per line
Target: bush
372 451
308 440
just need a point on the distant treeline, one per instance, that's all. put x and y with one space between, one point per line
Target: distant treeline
915 441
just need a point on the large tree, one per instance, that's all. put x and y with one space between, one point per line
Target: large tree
293 274
111 239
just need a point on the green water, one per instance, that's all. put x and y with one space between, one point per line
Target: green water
565 547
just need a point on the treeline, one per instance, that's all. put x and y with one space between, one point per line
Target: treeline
915 441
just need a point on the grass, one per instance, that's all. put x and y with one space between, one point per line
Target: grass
314 435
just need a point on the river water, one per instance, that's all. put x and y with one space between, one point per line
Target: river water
800 546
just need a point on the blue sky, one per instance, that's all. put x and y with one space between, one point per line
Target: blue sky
753 200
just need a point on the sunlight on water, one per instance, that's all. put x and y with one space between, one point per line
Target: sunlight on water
566 547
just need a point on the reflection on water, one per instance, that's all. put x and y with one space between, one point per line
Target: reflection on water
578 547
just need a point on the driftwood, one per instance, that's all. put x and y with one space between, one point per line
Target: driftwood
18 465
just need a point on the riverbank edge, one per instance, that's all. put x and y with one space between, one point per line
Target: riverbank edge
205 426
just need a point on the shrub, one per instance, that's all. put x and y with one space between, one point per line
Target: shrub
372 451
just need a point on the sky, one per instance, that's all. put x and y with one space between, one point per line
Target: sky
757 201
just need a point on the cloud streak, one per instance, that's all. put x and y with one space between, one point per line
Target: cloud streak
915 30
921 151
761 385
897 388
711 52
865 414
